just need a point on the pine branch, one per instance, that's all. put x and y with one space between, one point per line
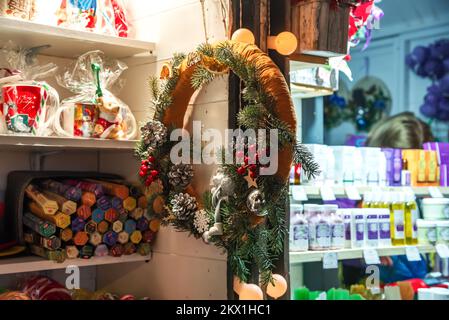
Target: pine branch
201 76
302 155
206 49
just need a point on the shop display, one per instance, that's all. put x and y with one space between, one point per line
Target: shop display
89 231
442 155
363 166
94 112
237 188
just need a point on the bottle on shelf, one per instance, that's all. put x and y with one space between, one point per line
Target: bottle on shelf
337 226
411 218
321 223
397 217
299 229
386 200
406 177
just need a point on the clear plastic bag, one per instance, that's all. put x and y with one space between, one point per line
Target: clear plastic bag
28 103
102 16
94 111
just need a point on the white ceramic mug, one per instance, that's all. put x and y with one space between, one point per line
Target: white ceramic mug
80 120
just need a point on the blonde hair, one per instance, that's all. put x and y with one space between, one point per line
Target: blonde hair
402 131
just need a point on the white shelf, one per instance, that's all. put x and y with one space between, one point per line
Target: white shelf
68 43
34 263
346 254
314 192
16 142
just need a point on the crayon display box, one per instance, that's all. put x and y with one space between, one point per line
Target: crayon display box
63 215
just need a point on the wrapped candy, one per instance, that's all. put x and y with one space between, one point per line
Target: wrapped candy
94 111
43 288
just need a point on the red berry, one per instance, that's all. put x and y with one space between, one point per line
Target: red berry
150 179
142 173
154 173
246 160
144 168
145 162
252 174
252 167
151 159
241 171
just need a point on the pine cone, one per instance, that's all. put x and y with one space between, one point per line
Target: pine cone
154 134
180 175
183 206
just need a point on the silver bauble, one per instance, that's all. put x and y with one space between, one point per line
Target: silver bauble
256 203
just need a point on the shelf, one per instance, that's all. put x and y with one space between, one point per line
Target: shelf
15 142
34 263
346 254
68 43
314 192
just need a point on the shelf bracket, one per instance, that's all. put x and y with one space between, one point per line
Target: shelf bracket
37 159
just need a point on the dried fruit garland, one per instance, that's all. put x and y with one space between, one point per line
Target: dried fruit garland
244 212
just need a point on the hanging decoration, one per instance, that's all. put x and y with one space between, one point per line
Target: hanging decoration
432 62
244 212
367 103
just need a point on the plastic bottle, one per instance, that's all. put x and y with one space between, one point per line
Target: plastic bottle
397 219
386 200
372 227
384 227
299 229
337 227
311 214
411 218
358 229
323 230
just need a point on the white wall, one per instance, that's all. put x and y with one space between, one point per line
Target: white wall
426 22
182 267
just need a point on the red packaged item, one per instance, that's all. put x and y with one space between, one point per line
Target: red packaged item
113 18
43 288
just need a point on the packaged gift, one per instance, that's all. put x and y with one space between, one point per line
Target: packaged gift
113 18
21 9
77 14
28 104
94 111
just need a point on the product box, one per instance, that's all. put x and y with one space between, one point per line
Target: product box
442 153
394 166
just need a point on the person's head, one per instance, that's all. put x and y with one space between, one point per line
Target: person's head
402 131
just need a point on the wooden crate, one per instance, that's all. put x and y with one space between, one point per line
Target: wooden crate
321 28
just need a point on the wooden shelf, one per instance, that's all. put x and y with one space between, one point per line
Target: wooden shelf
30 143
68 43
314 192
346 254
34 263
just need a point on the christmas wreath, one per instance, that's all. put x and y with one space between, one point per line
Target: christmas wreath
244 212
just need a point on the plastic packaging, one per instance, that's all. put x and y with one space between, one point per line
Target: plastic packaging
398 219
372 228
347 219
384 227
106 16
411 216
337 226
427 231
94 111
29 104
442 232
299 229
358 229
435 208
23 9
